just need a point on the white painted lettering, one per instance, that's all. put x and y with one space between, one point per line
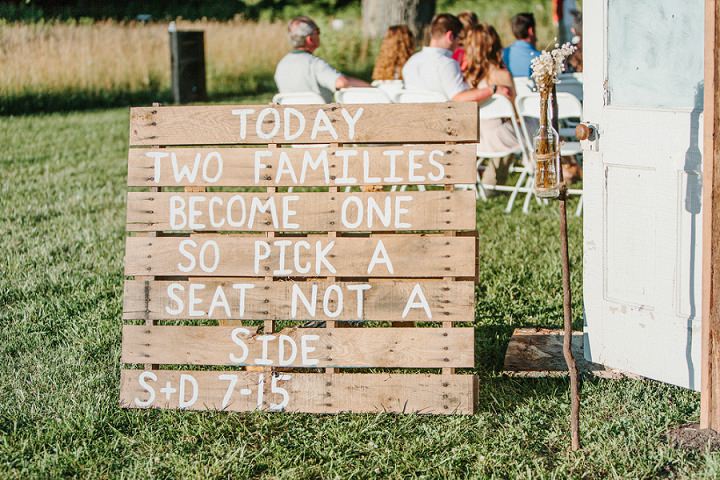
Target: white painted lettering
235 336
291 112
380 256
180 305
310 305
242 287
359 289
284 361
417 300
440 167
156 156
351 120
184 380
264 359
327 300
320 161
261 120
322 123
306 349
142 380
243 114
413 166
194 300
219 300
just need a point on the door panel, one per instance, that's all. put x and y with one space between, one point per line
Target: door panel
629 266
643 88
643 37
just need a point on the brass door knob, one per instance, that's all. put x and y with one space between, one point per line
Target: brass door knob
584 131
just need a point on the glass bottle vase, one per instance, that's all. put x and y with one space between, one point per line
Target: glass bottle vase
546 143
547 162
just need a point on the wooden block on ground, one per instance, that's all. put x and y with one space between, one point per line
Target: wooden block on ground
538 352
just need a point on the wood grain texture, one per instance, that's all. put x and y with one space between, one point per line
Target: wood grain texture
710 353
339 348
301 166
311 393
447 301
217 125
412 256
301 212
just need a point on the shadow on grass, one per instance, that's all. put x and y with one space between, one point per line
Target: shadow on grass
252 86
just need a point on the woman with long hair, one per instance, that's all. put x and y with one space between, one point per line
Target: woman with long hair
483 63
397 46
483 67
469 21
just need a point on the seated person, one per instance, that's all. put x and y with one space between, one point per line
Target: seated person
397 46
301 71
483 67
469 20
517 57
433 68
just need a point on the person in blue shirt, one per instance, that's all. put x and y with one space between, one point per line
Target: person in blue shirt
517 57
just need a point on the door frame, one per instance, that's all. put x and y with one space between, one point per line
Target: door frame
710 350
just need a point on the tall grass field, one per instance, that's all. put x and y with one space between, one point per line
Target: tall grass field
73 64
62 192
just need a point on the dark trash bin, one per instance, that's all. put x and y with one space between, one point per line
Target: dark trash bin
187 62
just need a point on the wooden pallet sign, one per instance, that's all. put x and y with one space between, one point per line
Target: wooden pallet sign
263 273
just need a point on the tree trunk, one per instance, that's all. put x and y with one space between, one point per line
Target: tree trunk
378 15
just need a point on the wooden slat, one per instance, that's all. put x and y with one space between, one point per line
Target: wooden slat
710 350
341 348
301 212
447 301
411 256
222 124
301 166
311 393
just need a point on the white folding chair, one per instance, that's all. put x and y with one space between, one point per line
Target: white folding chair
361 95
418 96
390 87
569 108
571 83
298 98
524 86
498 107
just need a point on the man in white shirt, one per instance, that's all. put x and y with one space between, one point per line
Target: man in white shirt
433 68
301 71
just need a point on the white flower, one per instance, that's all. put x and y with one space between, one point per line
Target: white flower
549 65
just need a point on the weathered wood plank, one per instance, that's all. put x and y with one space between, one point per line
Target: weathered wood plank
370 301
289 167
538 352
300 212
410 256
299 347
260 124
310 393
710 350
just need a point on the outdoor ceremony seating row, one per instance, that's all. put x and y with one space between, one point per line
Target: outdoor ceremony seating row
527 105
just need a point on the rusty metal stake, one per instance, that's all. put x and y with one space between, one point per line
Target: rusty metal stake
567 300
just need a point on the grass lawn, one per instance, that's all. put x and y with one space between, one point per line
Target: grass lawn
62 217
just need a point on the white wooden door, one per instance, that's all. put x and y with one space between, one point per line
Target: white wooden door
643 76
